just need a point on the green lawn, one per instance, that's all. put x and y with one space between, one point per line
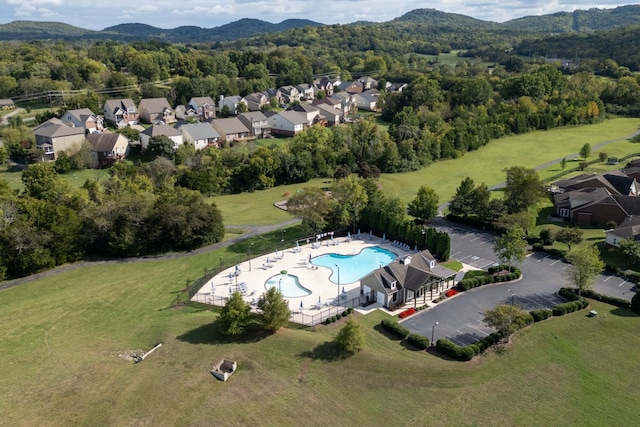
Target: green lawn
61 338
483 165
76 178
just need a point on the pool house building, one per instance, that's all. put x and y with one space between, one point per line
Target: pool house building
411 278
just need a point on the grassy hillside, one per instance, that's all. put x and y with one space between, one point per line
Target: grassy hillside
62 338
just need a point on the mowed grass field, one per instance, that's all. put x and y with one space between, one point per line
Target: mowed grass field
484 165
61 338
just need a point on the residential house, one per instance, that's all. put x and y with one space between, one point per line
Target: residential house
407 279
54 136
346 102
255 101
107 148
200 135
325 84
232 103
156 111
616 182
231 130
84 118
7 104
257 123
332 115
162 129
628 229
311 112
395 87
288 94
351 87
186 113
368 83
121 112
367 101
287 123
307 93
594 206
204 107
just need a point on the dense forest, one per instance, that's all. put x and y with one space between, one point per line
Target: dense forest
158 205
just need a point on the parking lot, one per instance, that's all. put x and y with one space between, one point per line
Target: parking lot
460 318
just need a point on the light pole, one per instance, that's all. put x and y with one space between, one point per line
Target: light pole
338 297
433 331
250 245
280 285
513 297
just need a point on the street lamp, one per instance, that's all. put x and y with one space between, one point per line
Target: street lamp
250 245
513 297
433 331
338 297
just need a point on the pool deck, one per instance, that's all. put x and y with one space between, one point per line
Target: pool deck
296 262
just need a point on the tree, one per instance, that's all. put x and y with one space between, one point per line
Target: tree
234 316
350 337
160 146
511 246
312 205
569 236
585 151
350 198
275 310
462 202
603 156
630 248
563 163
546 235
523 189
585 266
425 205
507 318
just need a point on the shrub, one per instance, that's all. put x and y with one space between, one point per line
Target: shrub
539 315
350 310
333 319
394 328
338 316
453 350
538 247
345 313
568 294
635 303
559 310
418 341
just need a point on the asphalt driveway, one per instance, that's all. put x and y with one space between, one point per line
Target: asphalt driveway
460 318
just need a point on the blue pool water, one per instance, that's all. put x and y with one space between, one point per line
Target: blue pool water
288 285
355 267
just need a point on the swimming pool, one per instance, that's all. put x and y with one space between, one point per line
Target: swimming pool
288 285
355 267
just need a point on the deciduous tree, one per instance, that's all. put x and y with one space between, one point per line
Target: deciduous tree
507 318
425 204
511 246
569 236
350 337
585 266
234 316
523 189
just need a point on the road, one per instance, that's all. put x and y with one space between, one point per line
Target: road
460 318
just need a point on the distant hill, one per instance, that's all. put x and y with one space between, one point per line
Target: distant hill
32 30
579 21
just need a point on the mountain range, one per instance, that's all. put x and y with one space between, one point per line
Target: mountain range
579 21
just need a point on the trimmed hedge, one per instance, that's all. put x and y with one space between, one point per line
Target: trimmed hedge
393 327
571 294
453 350
569 307
418 341
470 283
539 315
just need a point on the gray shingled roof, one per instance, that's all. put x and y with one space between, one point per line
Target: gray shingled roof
154 105
55 128
199 131
230 125
157 130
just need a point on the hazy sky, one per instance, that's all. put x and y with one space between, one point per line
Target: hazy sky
96 15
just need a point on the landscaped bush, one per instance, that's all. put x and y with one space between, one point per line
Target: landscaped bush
453 350
538 247
568 293
418 341
559 310
393 327
345 313
572 294
539 315
338 316
350 310
451 292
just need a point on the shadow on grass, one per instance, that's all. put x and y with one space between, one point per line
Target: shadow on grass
210 334
386 333
327 351
623 312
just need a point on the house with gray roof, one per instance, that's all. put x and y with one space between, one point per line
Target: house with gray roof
287 123
121 112
257 123
332 115
411 278
162 129
200 135
156 111
628 229
256 100
55 135
204 107
366 100
84 118
231 102
107 148
231 130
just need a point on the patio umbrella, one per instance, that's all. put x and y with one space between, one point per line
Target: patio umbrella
415 248
309 258
384 237
230 290
319 300
300 304
349 234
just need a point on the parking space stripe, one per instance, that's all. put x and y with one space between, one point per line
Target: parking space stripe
556 261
